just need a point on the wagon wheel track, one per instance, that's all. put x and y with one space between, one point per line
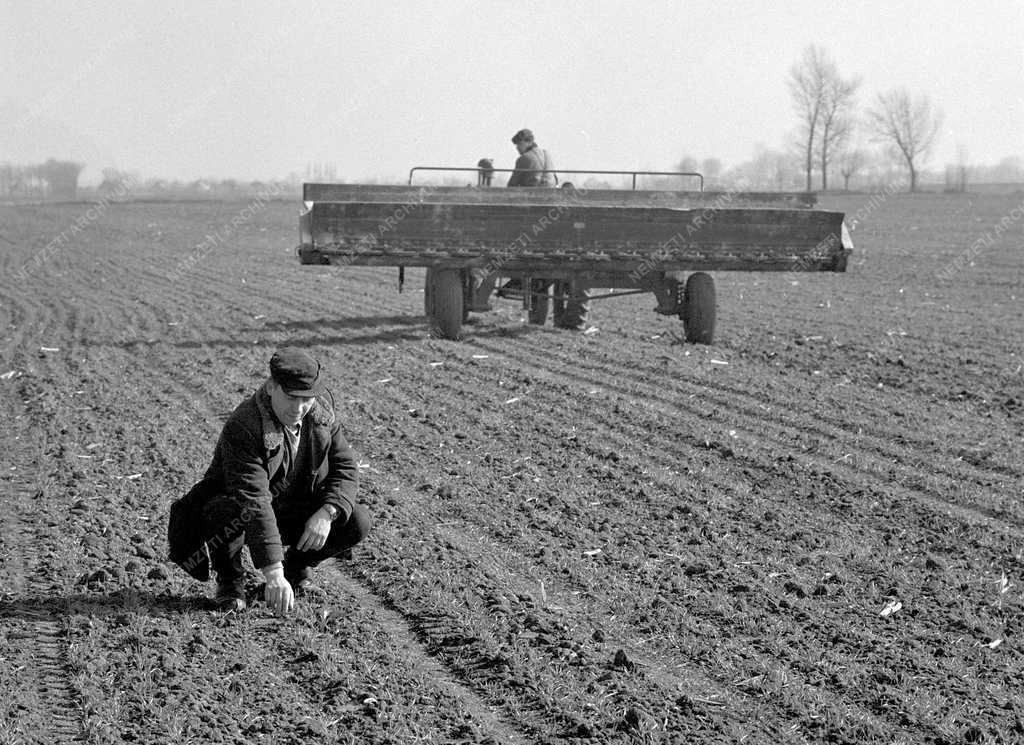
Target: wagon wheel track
413 638
49 675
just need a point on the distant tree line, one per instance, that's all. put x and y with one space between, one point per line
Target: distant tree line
858 168
58 180
906 125
54 179
834 143
227 189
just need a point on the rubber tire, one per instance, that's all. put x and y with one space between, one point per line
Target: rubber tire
571 313
541 301
446 297
698 308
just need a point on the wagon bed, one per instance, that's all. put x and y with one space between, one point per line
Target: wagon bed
567 231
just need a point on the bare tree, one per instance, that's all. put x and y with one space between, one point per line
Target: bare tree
836 118
824 102
807 84
851 161
908 124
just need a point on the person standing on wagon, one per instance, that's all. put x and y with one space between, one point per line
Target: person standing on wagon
282 477
533 166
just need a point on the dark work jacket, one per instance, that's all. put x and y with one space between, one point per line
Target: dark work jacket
247 464
533 168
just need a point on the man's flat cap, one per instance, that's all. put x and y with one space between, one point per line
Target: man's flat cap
523 135
296 372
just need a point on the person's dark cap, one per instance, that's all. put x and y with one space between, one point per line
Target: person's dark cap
523 135
296 372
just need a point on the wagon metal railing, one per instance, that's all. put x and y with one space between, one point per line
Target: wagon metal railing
479 171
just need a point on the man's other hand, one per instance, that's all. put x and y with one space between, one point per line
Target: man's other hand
278 594
317 529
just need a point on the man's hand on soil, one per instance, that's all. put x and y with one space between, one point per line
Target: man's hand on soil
278 594
317 528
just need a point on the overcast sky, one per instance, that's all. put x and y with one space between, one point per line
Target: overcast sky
260 89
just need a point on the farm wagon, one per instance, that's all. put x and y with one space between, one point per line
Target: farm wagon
559 245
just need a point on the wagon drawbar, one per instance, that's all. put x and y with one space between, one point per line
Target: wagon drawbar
558 245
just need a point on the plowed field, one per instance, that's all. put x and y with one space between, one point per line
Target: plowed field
812 531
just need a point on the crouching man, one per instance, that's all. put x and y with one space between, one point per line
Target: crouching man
282 477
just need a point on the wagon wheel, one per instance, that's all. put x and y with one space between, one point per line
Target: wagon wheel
446 291
540 302
572 305
697 309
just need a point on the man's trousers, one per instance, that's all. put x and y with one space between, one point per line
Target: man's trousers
225 536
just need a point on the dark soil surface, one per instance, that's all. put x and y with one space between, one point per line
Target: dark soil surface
812 531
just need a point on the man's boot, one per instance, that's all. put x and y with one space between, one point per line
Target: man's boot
298 576
227 563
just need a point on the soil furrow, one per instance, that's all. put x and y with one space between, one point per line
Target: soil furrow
767 462
877 438
879 472
667 660
614 367
455 391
